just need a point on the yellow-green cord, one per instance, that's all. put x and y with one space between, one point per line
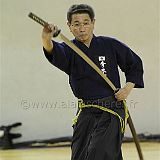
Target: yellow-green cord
123 123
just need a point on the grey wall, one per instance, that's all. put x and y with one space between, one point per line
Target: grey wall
38 95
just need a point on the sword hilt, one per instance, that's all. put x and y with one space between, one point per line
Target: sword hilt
41 22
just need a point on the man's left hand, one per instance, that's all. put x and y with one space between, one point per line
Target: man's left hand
123 93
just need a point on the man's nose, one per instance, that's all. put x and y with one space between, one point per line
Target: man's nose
82 27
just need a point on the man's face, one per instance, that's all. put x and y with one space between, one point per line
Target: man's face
82 27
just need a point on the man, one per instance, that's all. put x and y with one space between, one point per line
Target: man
98 128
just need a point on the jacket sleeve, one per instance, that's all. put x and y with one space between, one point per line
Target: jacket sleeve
59 57
130 63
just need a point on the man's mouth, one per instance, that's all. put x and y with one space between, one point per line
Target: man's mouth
82 35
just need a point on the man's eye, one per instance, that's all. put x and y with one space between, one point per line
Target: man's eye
86 23
76 24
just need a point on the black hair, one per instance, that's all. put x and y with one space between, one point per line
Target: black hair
80 8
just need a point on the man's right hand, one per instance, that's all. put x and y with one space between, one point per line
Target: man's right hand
47 34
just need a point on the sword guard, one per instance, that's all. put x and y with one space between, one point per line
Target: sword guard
57 33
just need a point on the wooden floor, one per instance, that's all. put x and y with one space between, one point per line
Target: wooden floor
151 151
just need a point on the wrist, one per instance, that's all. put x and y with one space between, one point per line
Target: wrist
48 45
129 86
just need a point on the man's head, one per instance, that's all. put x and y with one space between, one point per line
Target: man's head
81 22
80 8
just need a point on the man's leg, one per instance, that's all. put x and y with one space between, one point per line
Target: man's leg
106 140
82 132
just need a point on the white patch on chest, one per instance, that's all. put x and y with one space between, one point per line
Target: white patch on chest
102 63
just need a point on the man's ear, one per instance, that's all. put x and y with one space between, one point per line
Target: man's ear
69 25
93 21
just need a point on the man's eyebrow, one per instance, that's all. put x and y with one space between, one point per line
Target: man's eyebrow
76 21
86 20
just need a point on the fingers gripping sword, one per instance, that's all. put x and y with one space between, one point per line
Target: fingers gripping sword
94 66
